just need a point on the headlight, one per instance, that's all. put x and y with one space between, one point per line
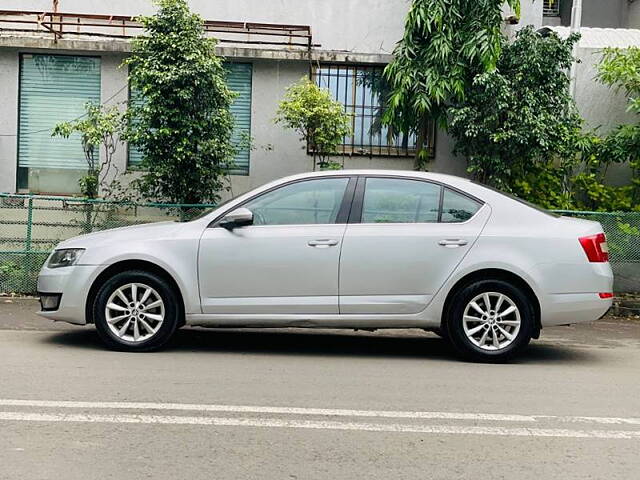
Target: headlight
65 257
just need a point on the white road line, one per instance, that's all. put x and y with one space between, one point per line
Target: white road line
316 411
318 425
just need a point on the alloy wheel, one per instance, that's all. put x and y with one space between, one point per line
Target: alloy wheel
491 321
135 312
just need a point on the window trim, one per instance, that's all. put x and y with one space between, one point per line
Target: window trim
358 202
21 54
343 211
370 151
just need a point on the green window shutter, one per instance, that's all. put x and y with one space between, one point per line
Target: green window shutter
239 80
135 155
54 88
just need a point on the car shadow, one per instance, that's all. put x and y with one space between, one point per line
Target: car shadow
308 342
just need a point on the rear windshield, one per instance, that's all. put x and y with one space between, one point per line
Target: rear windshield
519 200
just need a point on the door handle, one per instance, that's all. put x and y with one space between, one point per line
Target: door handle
451 243
323 243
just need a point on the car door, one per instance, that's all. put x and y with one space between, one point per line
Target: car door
405 237
287 261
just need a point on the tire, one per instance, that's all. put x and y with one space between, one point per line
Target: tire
508 328
151 323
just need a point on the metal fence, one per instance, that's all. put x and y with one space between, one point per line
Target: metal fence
31 226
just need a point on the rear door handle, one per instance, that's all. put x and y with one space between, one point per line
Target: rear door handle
451 243
323 243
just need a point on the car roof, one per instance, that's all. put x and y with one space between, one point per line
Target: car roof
380 172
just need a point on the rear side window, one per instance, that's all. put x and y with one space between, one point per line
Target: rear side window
457 207
390 200
399 200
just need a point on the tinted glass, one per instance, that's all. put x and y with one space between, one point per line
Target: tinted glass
457 207
309 202
391 200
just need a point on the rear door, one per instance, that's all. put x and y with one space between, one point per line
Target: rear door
404 238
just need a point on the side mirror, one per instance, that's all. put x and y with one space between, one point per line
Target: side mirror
240 217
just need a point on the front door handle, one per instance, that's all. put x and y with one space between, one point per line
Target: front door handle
323 243
452 243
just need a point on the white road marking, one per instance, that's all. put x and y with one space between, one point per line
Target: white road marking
266 409
315 424
316 411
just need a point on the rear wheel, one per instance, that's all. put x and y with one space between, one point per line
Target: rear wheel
490 321
136 311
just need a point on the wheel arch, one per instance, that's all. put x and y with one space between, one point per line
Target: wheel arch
494 274
132 264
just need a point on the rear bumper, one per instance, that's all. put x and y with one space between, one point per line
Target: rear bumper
73 284
568 308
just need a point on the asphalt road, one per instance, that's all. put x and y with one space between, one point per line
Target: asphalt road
295 404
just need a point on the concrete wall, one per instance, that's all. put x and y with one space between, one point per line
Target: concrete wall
8 119
596 13
278 152
337 25
633 15
601 106
603 13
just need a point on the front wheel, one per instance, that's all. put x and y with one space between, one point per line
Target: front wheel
490 321
136 311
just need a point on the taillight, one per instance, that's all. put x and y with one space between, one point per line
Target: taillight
595 246
605 295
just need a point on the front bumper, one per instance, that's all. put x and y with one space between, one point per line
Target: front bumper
73 283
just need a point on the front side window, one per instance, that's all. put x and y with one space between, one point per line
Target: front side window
53 89
391 200
301 203
363 92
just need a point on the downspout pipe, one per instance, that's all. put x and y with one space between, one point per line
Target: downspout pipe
576 23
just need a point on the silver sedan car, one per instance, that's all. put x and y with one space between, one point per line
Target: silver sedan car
361 249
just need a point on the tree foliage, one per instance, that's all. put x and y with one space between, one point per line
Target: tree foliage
518 119
320 121
100 129
445 44
183 126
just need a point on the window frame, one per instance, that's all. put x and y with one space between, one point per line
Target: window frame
366 150
343 211
21 174
355 216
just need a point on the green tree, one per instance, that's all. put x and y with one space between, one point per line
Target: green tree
183 125
320 121
518 125
100 130
445 44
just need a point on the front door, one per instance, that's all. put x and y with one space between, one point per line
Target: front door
286 262
406 241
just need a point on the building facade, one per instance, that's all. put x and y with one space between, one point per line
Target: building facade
47 76
55 55
605 24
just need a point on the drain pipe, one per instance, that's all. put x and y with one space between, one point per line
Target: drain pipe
576 22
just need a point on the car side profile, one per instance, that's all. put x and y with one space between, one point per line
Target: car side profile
357 249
